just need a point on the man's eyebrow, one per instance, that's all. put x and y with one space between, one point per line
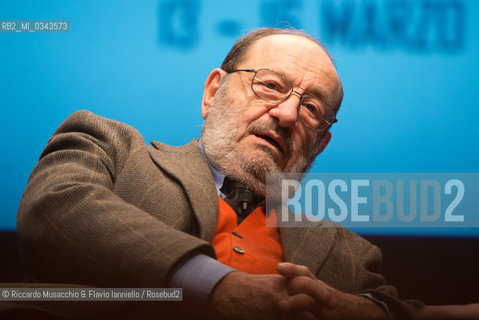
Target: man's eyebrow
319 93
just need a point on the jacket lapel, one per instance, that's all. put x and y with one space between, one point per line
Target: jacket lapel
188 166
308 245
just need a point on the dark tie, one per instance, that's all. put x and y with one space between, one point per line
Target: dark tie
240 198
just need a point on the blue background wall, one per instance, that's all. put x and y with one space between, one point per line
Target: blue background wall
409 70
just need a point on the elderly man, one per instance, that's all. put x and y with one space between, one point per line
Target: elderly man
103 208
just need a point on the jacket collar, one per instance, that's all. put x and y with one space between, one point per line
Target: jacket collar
188 166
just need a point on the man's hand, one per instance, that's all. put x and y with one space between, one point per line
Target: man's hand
324 301
240 295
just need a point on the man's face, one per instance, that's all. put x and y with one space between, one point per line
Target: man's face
247 137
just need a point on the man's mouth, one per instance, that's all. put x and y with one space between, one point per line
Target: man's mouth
274 140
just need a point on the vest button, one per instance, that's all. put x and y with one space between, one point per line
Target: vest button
238 250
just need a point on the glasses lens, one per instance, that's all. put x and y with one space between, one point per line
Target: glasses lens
270 86
314 113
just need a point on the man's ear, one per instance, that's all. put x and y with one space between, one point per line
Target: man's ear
324 142
209 91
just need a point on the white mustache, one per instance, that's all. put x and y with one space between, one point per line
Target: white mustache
284 133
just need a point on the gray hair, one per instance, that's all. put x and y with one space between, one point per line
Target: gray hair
241 46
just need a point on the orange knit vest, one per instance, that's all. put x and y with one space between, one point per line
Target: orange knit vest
250 247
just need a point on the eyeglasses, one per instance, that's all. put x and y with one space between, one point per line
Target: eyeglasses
272 87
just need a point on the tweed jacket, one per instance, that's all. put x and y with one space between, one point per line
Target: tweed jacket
105 209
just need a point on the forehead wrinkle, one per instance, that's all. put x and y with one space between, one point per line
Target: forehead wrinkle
313 67
324 90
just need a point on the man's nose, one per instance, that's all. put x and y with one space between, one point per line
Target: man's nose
287 111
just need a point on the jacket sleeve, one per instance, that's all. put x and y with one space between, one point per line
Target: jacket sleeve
73 228
354 267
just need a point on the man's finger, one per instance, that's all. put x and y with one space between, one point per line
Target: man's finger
296 303
321 293
290 270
